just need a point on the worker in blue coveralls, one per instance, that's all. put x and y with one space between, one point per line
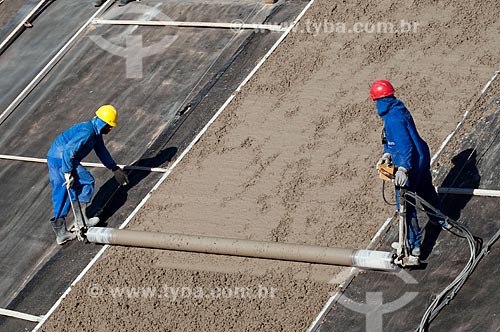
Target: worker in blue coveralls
404 148
68 175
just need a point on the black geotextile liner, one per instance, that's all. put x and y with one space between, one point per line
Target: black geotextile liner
13 13
35 47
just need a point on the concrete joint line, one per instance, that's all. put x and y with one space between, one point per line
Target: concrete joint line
20 315
177 161
87 164
235 25
468 191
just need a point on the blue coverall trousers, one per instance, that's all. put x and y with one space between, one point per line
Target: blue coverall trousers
421 184
82 189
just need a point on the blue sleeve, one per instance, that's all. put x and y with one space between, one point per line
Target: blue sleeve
384 141
103 153
398 131
71 149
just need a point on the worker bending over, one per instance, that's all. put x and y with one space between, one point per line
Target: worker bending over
404 148
68 175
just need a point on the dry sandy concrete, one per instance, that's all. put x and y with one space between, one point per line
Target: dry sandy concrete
292 160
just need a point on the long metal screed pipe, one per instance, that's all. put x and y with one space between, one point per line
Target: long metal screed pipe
368 259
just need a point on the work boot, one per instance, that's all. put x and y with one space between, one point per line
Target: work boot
442 223
412 261
90 222
99 3
81 216
62 234
445 224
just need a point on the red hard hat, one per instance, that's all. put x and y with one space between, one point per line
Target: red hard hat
381 89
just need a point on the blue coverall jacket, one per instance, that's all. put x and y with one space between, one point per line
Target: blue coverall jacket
65 155
410 151
403 142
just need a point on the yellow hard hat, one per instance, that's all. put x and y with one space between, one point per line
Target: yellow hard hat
108 114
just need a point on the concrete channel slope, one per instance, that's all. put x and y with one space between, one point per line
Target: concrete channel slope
200 67
470 160
291 159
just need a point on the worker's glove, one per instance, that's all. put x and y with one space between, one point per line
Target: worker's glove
385 159
401 177
120 176
69 180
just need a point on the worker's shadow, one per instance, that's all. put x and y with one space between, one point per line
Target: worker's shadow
112 197
464 174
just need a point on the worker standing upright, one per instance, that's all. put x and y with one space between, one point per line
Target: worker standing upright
404 148
68 175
